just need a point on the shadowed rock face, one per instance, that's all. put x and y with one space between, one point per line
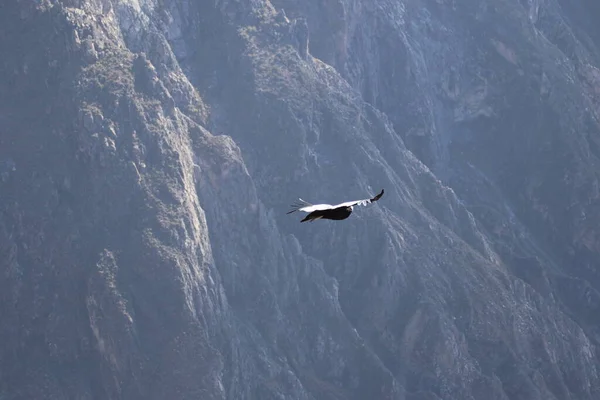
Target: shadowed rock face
149 150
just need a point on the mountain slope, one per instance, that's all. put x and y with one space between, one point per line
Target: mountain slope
149 151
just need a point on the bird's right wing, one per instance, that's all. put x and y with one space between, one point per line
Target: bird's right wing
307 207
363 202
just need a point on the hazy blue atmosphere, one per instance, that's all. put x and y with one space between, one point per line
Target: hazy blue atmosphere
150 150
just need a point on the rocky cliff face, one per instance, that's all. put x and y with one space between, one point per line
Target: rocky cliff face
149 151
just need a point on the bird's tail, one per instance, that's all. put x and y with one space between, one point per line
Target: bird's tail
298 205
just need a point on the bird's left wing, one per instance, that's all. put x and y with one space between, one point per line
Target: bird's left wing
363 202
307 207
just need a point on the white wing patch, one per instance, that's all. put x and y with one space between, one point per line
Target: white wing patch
316 207
308 208
354 203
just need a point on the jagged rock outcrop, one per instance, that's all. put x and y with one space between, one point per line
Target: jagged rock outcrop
149 150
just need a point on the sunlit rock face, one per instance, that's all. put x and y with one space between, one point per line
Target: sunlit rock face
149 151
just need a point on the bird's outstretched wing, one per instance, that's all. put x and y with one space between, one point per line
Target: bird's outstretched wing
363 202
307 207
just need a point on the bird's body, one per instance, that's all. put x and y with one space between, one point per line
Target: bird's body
327 211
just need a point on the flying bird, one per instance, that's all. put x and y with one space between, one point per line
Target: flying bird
327 211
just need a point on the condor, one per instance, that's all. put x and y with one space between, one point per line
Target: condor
327 211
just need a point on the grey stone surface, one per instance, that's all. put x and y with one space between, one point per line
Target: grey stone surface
149 151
